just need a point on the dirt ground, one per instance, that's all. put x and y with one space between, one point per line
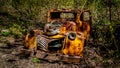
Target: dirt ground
12 57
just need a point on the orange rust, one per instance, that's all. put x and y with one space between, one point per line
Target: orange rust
73 47
30 39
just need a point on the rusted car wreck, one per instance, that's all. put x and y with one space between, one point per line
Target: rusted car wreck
63 36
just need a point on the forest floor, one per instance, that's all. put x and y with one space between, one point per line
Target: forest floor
10 57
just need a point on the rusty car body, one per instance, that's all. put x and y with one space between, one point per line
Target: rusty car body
64 33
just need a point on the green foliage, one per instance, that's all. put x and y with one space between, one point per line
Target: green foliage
15 30
36 60
5 32
18 30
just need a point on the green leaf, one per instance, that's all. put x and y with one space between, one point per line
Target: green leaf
5 32
35 60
